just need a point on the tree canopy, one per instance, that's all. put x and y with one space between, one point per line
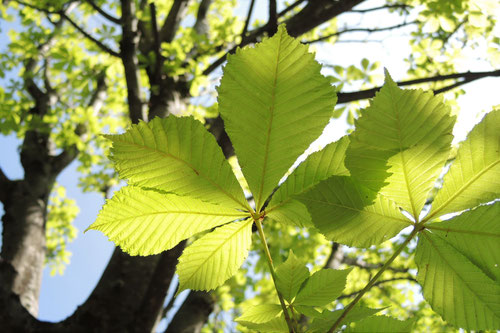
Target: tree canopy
74 70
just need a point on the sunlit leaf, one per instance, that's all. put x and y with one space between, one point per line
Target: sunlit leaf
474 176
145 222
323 287
290 276
260 313
321 325
400 145
176 155
318 166
271 95
351 214
215 257
274 325
382 324
456 288
476 235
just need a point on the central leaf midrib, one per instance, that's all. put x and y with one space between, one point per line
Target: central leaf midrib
198 172
268 134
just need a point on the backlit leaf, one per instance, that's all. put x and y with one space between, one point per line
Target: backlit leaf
269 96
145 222
456 288
323 287
476 235
176 155
290 276
318 166
260 313
474 176
351 214
382 324
400 145
321 325
215 257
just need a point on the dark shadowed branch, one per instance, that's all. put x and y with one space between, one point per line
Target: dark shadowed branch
4 186
273 18
368 30
379 283
247 20
106 15
174 17
466 78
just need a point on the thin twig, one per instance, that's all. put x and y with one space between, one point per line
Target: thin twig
368 30
247 21
106 15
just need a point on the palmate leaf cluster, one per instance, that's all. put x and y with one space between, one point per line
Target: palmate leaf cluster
360 191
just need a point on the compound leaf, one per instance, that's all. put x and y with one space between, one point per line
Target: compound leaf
400 145
270 95
351 214
215 257
456 288
146 222
474 176
176 155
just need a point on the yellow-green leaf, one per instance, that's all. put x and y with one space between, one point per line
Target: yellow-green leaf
146 222
400 145
474 176
176 155
215 257
271 95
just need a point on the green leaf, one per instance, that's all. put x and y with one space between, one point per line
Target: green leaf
330 317
260 313
456 288
382 324
270 95
146 222
323 287
351 214
400 145
476 235
215 257
474 176
274 325
317 167
176 155
290 276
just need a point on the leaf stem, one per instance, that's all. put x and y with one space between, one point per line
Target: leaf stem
351 305
273 274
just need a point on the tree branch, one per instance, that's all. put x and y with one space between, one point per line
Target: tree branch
157 290
174 17
361 264
312 15
128 51
289 8
201 24
362 11
107 16
378 283
5 184
89 37
273 18
247 20
369 30
467 77
193 313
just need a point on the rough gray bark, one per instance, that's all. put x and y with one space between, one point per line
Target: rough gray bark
193 313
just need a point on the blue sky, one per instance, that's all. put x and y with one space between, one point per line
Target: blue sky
62 294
